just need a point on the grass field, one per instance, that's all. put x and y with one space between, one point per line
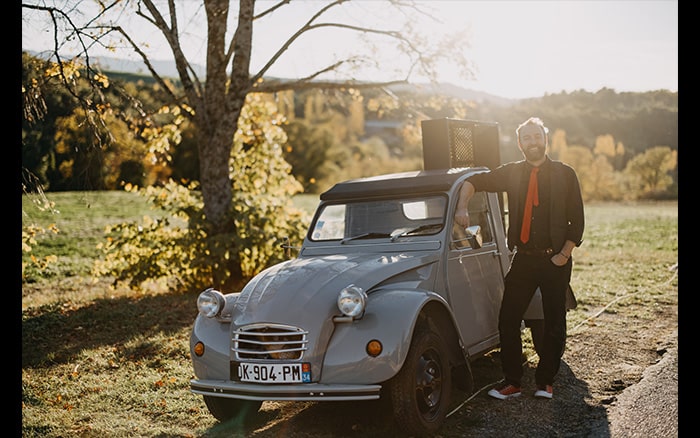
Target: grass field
98 361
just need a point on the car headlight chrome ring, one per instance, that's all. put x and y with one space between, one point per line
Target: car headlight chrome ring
352 301
210 303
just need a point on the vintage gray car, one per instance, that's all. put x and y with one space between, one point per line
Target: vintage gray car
386 298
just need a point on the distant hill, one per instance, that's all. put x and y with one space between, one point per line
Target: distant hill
167 69
121 65
448 89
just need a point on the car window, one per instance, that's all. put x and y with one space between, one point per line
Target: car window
478 216
386 217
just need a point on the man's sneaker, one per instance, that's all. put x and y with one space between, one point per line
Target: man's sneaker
505 391
544 391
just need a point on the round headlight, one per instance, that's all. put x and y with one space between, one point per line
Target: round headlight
352 300
210 303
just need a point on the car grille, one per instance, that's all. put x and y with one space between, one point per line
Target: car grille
269 341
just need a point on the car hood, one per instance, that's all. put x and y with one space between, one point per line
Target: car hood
294 291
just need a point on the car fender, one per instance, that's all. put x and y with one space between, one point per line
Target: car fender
390 318
216 337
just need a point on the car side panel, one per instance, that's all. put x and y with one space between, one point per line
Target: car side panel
390 318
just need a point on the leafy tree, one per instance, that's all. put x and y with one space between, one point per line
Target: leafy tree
605 145
306 151
178 250
603 182
557 143
214 102
44 101
70 145
216 107
76 159
80 164
583 161
649 172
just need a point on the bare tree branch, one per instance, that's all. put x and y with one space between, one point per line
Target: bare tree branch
308 82
87 104
309 26
193 87
300 85
271 9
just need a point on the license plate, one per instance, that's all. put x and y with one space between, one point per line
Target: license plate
271 372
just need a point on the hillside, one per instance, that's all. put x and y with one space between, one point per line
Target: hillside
126 67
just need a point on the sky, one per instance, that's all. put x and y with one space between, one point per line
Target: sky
518 49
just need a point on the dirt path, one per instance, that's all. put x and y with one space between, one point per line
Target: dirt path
649 408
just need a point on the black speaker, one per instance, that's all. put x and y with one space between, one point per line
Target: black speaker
450 143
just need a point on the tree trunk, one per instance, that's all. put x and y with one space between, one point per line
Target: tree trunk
217 117
214 150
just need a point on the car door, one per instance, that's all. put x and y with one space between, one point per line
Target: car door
475 277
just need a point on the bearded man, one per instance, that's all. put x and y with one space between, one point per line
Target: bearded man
546 222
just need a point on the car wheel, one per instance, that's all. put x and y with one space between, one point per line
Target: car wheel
420 392
232 410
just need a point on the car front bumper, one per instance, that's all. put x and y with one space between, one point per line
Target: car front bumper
286 392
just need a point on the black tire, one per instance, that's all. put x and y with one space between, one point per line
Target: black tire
420 392
232 410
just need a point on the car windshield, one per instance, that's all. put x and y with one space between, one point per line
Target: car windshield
387 218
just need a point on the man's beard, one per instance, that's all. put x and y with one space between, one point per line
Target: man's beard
534 153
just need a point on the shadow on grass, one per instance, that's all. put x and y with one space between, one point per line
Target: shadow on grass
55 334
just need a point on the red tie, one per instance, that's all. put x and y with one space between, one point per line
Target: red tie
532 199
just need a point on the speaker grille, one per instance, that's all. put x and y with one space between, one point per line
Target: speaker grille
450 143
462 150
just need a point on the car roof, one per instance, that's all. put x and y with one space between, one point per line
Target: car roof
413 182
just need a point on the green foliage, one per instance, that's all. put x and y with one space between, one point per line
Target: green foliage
43 101
596 175
362 158
33 264
79 138
39 265
151 248
306 151
649 172
179 252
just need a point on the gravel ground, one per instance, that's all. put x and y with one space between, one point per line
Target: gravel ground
649 408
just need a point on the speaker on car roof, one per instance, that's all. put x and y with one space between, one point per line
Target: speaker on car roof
450 143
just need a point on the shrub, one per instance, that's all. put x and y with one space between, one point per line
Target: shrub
177 250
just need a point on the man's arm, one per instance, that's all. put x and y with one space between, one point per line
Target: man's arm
462 212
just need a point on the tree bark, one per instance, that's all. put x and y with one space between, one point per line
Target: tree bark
217 116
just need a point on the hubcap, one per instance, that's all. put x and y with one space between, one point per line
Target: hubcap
428 384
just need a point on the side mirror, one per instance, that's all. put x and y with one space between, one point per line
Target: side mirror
469 237
474 236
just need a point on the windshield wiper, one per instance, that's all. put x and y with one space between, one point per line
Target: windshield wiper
365 236
416 230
